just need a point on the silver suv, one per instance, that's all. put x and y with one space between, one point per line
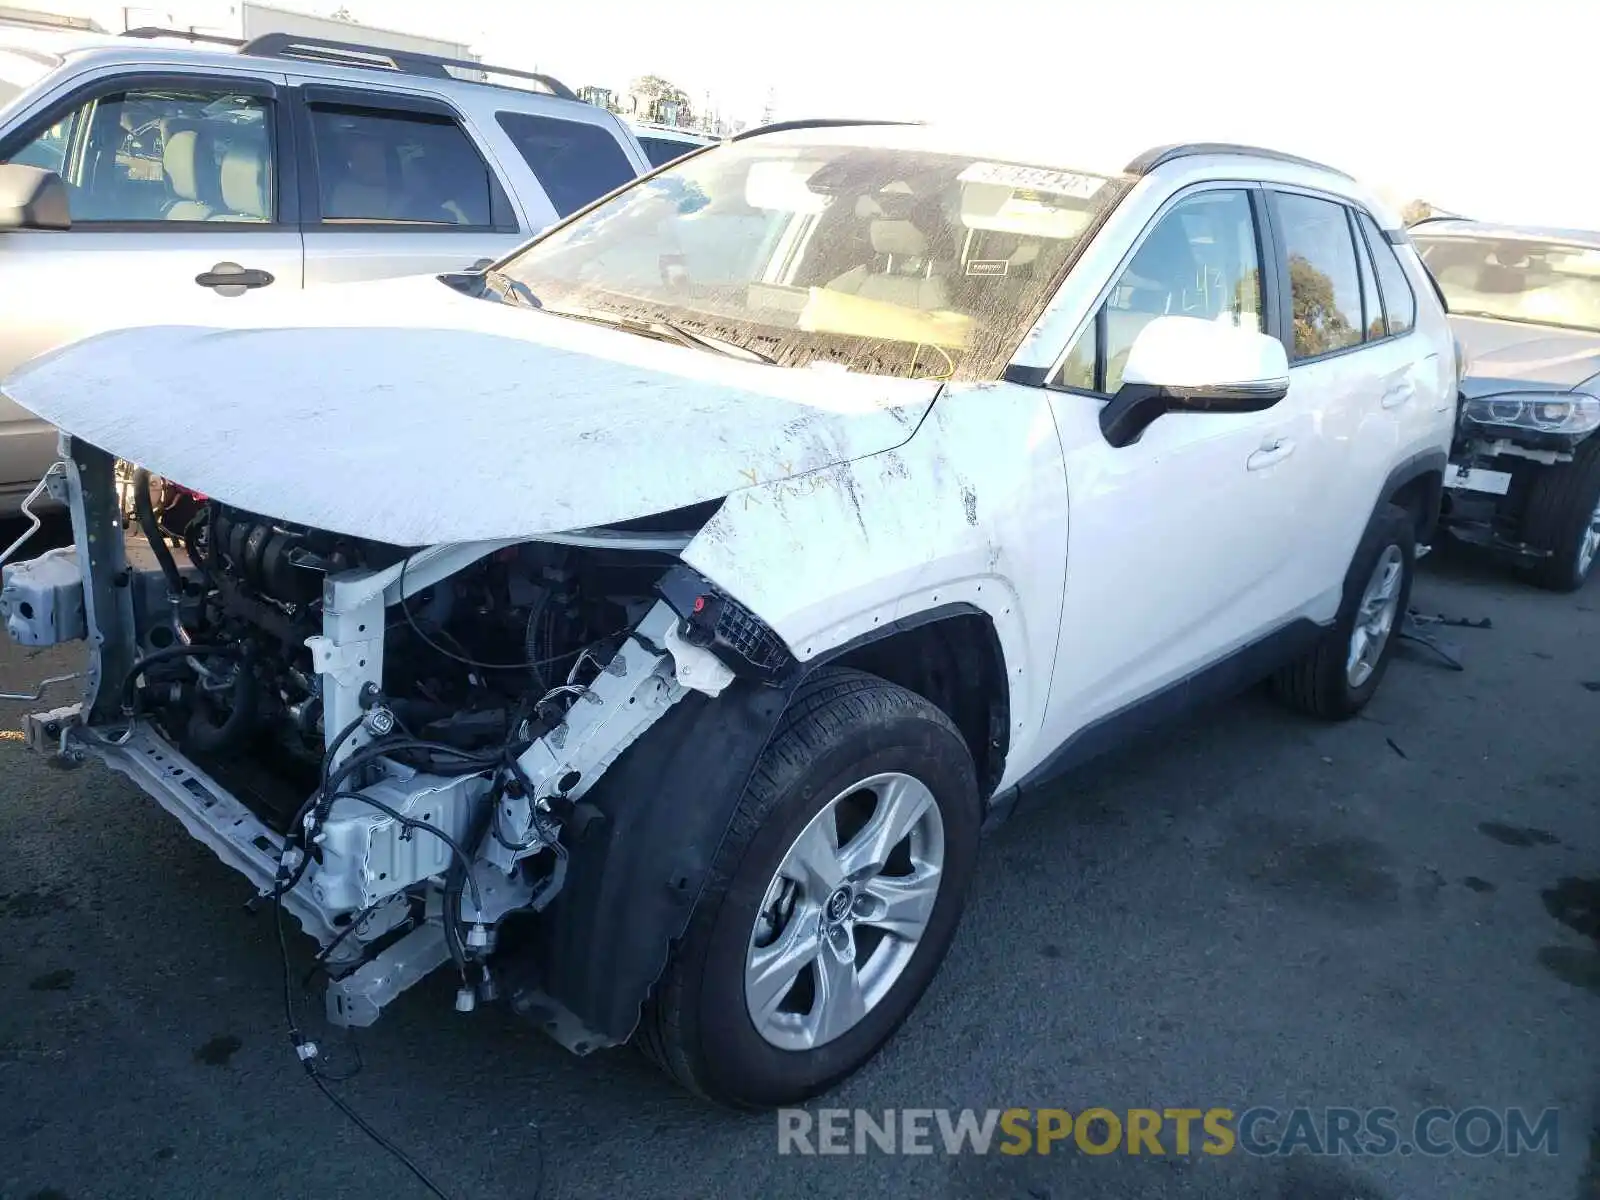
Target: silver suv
143 176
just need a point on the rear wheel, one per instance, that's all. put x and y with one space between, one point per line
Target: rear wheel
1563 518
831 902
1337 678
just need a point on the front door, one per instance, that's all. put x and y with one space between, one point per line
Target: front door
1179 542
175 215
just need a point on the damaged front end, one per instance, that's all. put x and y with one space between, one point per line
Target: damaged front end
411 749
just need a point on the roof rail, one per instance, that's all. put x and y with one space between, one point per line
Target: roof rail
386 58
1440 216
356 54
813 123
1159 155
187 35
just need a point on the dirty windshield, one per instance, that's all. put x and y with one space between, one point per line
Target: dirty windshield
888 261
1515 279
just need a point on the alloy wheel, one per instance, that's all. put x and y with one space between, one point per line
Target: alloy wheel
1375 616
845 911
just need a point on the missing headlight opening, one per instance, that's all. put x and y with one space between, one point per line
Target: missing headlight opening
389 741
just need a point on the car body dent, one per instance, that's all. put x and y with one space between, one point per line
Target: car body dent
321 418
971 511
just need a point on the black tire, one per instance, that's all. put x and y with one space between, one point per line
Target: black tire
1318 683
841 726
1561 504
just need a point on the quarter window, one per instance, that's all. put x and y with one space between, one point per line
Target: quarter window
575 162
1399 301
398 167
1324 280
661 151
162 155
1200 260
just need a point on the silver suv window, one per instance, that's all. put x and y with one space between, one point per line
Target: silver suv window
162 154
382 166
574 161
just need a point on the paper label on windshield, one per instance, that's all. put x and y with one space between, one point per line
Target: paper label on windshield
1040 179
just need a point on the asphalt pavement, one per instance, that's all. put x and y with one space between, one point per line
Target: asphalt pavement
1251 909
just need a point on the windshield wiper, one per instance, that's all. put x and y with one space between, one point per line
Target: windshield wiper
509 290
667 331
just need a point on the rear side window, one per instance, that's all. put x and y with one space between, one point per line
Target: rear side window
661 151
387 167
1324 280
575 162
1399 301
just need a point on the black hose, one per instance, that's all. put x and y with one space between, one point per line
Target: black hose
208 736
167 655
145 510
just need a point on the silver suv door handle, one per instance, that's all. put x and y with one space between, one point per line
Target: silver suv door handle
230 279
1273 450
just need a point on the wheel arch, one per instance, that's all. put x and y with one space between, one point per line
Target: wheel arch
646 834
1417 485
952 657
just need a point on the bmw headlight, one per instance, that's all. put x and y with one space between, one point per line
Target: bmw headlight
1568 414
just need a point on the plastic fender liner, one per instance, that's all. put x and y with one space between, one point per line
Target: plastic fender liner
643 840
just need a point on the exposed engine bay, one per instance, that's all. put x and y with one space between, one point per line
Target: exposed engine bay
490 658
389 741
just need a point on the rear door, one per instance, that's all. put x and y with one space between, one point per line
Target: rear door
394 184
1364 382
171 176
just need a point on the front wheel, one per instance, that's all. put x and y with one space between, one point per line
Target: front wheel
1342 672
1563 519
831 902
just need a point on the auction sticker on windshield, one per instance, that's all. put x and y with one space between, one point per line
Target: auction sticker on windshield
1041 179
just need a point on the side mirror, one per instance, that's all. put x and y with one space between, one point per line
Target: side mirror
32 198
1185 364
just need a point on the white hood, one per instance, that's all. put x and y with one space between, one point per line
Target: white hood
406 412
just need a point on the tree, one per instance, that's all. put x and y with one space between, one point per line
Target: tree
1416 210
1319 326
663 101
342 14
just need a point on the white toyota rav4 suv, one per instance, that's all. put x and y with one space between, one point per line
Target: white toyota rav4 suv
643 628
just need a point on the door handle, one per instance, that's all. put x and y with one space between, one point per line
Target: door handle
230 279
1273 450
1399 393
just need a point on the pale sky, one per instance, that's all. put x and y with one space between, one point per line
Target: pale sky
1483 106
1487 107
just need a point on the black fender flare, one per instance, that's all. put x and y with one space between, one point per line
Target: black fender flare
1428 463
642 842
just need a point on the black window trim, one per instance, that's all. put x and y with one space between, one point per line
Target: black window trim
1377 276
286 211
1367 266
502 215
1266 242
